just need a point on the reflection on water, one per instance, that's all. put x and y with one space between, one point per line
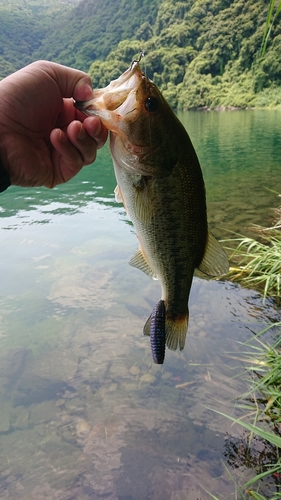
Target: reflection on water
240 157
84 412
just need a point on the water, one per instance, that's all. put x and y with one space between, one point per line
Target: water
84 412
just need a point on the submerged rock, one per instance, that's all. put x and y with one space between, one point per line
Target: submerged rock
43 413
13 365
4 418
148 378
56 365
20 418
31 390
134 370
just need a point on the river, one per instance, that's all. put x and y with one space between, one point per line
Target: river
85 414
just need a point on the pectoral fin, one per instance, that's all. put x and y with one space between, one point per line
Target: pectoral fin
119 198
118 195
139 262
143 205
215 261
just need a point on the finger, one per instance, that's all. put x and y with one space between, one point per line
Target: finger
72 82
66 158
68 114
83 142
96 129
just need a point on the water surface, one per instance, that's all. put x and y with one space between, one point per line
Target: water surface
84 412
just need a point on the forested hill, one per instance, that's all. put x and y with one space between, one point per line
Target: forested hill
199 52
71 32
94 28
205 53
23 27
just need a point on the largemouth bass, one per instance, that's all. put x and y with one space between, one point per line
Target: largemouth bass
160 184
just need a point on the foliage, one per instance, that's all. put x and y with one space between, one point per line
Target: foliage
23 26
201 53
94 28
205 54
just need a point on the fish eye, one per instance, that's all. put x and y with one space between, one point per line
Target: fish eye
151 104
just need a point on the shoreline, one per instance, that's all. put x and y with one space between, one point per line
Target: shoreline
233 108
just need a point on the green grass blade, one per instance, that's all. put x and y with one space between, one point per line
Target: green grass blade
208 493
261 476
269 436
268 26
256 495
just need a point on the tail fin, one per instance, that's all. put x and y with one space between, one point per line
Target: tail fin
164 331
176 332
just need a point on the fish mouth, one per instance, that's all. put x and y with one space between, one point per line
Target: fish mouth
116 99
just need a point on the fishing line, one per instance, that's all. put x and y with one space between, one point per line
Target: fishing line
142 55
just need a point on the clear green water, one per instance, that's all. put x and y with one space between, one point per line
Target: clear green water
84 412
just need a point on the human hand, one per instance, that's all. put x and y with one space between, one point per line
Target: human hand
44 140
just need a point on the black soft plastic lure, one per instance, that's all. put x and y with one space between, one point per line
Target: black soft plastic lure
157 332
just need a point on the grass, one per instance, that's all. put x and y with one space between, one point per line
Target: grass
273 12
268 378
257 262
264 401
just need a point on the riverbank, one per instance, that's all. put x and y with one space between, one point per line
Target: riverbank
234 108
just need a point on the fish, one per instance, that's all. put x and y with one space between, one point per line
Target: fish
160 183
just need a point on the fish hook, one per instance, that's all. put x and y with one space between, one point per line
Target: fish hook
137 60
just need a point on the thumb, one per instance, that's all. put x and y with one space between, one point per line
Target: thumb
71 82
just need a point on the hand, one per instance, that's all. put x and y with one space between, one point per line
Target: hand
44 140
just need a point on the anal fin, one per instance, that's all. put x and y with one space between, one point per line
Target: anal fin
139 262
215 261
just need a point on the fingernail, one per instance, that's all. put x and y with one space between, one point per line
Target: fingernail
63 137
82 134
88 91
98 128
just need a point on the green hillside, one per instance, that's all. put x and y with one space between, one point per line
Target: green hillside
94 28
71 32
23 27
205 53
201 53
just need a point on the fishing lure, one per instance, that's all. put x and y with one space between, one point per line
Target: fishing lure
157 332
